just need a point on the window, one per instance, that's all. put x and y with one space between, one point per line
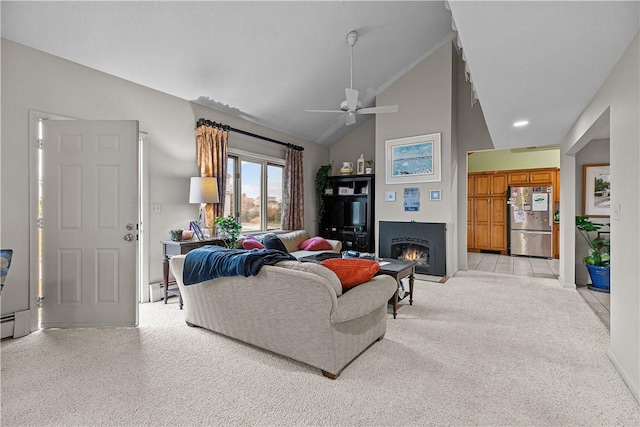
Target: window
258 203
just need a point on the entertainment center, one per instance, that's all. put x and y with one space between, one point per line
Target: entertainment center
348 215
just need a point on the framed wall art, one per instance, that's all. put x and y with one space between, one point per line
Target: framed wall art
596 190
413 159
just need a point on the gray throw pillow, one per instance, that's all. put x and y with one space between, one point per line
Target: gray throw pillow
271 241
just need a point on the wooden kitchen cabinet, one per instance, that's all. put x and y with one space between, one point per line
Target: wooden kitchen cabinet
531 177
541 177
490 184
556 186
556 240
518 178
470 232
490 223
487 204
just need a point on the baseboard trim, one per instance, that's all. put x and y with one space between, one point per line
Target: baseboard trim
629 381
565 284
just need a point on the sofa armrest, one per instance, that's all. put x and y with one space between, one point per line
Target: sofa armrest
364 298
335 244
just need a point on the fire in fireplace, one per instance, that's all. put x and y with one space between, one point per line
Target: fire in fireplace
421 242
412 249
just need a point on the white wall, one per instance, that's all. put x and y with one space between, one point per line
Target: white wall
425 97
618 98
33 80
595 152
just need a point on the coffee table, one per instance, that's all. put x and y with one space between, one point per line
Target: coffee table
391 267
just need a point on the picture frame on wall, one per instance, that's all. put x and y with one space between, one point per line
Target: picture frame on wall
435 195
596 190
413 159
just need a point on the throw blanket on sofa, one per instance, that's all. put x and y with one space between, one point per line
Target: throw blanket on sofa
210 262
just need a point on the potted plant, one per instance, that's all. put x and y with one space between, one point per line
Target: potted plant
228 229
322 179
599 257
368 166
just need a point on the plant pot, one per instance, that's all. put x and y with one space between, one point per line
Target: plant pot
600 278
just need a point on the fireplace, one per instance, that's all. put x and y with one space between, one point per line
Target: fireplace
422 242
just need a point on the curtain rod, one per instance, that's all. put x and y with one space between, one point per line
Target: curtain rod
203 122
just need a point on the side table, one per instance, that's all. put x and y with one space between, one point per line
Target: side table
399 270
171 248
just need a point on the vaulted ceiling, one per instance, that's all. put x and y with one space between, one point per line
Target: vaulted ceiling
269 61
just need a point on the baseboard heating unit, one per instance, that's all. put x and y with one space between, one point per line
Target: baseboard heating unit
15 325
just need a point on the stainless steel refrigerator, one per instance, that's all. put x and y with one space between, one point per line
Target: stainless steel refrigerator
530 221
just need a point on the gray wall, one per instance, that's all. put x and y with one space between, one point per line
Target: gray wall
425 97
617 100
360 141
33 80
467 128
473 135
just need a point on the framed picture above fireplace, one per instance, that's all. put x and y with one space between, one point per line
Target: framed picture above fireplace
413 159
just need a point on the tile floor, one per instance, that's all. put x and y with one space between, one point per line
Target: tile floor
515 265
599 303
537 267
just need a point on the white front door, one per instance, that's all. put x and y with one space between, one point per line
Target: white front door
89 226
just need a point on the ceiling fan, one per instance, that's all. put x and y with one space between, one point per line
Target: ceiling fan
351 105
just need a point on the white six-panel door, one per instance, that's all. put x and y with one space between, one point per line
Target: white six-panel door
90 212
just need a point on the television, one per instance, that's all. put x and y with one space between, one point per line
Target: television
355 214
336 215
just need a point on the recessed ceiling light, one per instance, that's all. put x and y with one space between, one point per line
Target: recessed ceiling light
520 123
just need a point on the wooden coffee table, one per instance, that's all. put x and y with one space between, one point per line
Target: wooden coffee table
399 270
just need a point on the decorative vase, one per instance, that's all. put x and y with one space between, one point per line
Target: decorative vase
600 278
347 168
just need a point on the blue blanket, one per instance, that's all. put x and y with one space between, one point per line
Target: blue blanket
210 262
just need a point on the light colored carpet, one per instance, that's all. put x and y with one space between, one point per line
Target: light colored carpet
480 349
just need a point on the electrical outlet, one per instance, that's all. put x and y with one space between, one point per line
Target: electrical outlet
155 208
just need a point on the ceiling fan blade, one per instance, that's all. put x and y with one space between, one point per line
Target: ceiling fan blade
381 109
351 119
352 99
324 111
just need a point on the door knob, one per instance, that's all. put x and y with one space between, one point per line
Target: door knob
128 237
129 227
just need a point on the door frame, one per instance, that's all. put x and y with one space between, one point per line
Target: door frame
142 271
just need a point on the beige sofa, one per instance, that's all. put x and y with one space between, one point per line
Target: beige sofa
294 308
292 240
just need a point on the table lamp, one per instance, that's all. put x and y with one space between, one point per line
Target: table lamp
203 190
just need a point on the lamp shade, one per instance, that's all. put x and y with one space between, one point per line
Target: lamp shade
203 190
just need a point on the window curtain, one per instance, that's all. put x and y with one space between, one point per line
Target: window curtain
212 160
293 198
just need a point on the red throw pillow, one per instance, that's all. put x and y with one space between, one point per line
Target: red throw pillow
352 272
250 242
315 244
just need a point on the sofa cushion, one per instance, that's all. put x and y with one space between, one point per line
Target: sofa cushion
352 272
271 241
251 242
292 239
315 244
317 269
